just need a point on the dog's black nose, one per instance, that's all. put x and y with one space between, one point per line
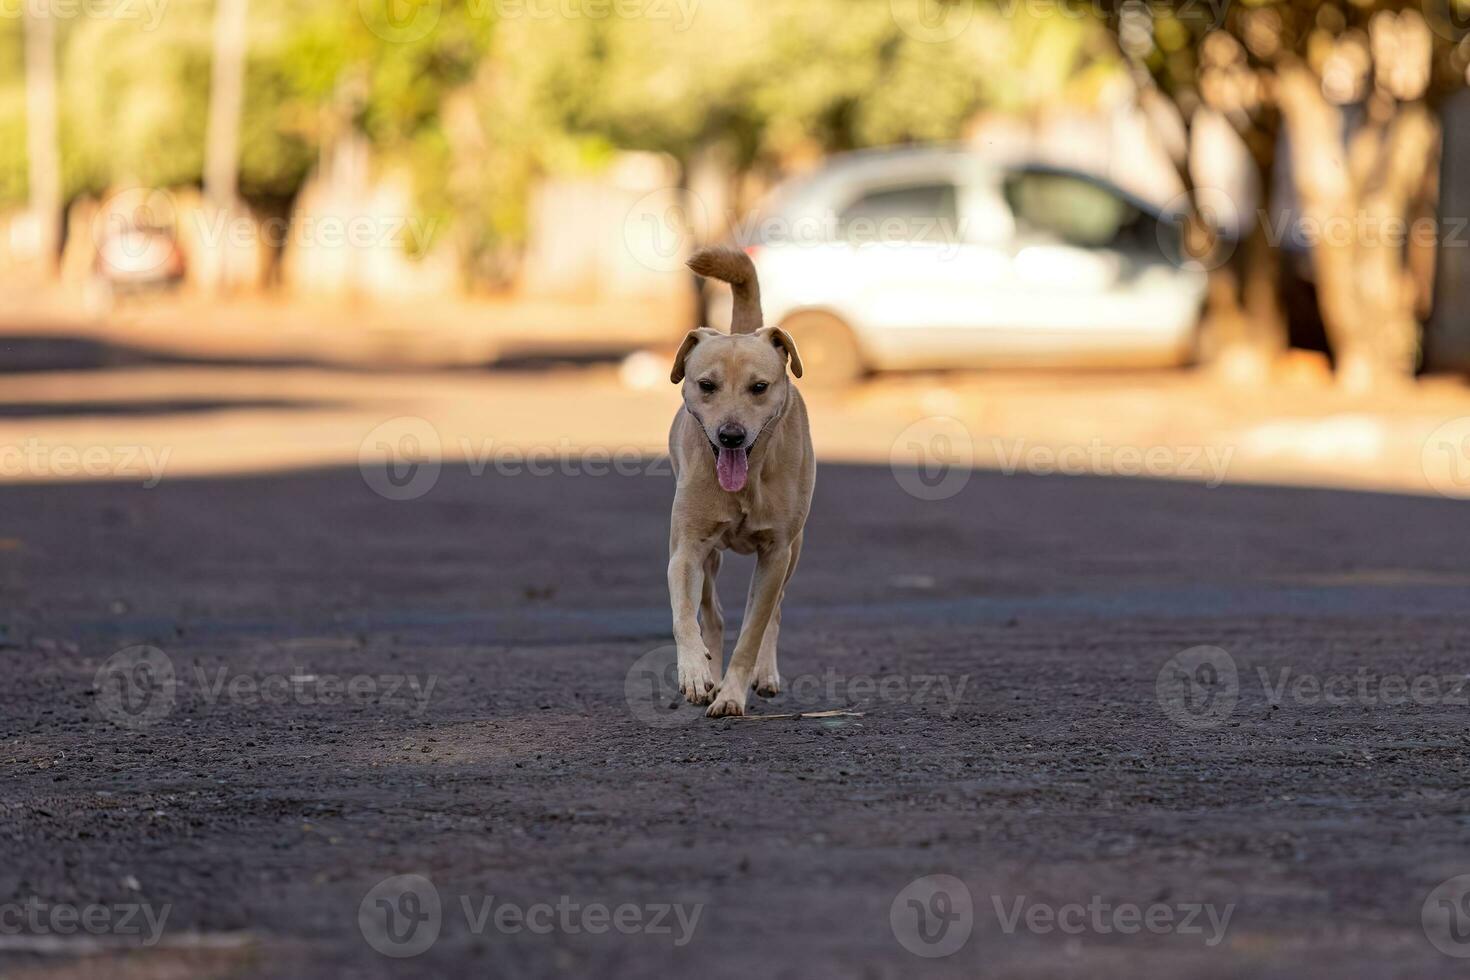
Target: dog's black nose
732 436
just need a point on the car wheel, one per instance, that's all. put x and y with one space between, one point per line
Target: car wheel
829 352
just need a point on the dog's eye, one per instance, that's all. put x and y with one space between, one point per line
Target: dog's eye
759 387
707 386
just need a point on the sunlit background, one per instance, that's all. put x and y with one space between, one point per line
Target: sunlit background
1076 227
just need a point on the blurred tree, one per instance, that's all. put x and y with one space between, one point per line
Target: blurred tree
135 92
477 99
226 95
784 76
42 152
1352 83
778 82
12 112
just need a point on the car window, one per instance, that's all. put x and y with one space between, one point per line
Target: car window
912 212
1077 211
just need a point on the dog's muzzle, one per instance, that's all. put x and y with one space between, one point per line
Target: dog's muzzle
732 465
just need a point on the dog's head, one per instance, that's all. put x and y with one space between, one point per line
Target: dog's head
735 385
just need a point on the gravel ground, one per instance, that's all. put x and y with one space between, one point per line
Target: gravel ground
1042 774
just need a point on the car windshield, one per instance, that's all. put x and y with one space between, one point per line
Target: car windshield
909 212
1077 211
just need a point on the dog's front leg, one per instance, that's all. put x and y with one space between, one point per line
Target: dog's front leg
765 591
767 674
686 571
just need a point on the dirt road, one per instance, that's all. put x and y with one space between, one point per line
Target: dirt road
468 687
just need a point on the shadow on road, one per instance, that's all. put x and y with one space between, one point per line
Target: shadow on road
51 352
1006 649
176 406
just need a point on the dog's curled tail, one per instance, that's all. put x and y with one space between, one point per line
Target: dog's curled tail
733 266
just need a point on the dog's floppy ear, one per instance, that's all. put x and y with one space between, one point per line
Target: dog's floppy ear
690 339
782 341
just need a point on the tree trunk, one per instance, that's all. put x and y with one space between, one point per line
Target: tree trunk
219 265
42 150
226 93
1245 309
1386 285
1327 197
1359 201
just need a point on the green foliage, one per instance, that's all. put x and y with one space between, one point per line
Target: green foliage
12 113
476 98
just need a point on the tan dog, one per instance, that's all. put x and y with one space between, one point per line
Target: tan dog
742 453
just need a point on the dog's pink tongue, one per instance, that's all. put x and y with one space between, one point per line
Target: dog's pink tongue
732 468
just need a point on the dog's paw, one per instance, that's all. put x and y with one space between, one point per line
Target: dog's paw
729 704
766 683
696 681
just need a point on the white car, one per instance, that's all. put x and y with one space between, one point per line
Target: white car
939 258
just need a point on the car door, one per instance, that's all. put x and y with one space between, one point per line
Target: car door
910 258
1087 261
